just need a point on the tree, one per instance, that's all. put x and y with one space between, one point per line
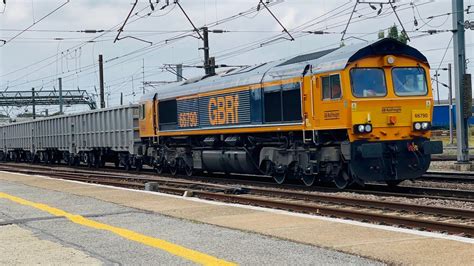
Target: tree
381 34
394 34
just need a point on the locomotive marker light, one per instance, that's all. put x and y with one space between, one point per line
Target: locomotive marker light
389 60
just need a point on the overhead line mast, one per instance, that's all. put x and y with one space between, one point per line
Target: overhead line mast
462 82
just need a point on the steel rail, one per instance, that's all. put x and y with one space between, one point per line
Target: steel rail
242 180
312 207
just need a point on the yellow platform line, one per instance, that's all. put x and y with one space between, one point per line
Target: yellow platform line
174 249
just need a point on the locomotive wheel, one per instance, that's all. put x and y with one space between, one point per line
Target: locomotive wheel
188 170
279 178
174 170
342 180
308 180
175 165
267 167
393 183
159 169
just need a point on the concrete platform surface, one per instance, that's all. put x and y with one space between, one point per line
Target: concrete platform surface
154 214
43 226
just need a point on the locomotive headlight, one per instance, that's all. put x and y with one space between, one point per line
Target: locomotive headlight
368 128
425 125
363 128
417 126
421 126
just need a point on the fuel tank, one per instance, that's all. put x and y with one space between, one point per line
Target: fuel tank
231 161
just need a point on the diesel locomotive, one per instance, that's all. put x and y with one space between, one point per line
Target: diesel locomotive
356 113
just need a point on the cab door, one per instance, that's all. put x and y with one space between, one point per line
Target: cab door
329 101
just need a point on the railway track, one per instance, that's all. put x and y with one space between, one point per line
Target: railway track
449 220
260 181
455 177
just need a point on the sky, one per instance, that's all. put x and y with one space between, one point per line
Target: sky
45 39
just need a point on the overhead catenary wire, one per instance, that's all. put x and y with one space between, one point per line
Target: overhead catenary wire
277 39
141 51
58 53
445 51
124 58
130 53
34 23
103 32
158 45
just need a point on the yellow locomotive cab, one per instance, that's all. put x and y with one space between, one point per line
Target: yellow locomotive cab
394 99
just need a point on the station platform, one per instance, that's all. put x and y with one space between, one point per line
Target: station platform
51 221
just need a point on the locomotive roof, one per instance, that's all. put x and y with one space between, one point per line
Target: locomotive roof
322 61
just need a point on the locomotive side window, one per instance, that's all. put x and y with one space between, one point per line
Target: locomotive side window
272 102
291 101
326 86
331 87
368 82
409 81
282 103
167 112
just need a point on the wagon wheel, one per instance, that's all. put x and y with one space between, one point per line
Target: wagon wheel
87 159
97 161
102 163
34 158
71 161
138 165
90 161
308 180
342 180
45 158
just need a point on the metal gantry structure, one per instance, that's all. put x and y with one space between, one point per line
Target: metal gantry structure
46 97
